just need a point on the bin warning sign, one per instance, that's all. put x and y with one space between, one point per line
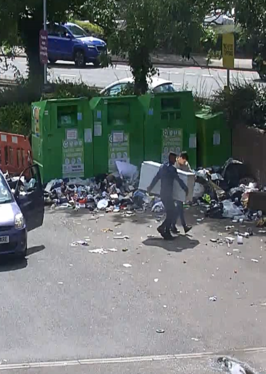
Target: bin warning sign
228 51
118 149
73 158
172 141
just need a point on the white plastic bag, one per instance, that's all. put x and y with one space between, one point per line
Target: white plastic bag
231 210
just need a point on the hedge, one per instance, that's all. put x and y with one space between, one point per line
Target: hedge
91 28
15 103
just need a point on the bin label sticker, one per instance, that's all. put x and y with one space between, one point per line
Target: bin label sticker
73 158
71 134
99 114
36 119
79 116
118 137
97 129
118 151
216 138
193 141
172 141
150 112
87 136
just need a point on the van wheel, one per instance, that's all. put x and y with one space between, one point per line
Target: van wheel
79 59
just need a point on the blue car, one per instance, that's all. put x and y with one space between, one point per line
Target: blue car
69 42
21 210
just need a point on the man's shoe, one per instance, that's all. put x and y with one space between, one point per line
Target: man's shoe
161 231
174 230
187 229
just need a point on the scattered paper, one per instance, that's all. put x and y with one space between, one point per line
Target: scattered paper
127 266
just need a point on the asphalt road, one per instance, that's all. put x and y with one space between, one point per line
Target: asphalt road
202 81
67 304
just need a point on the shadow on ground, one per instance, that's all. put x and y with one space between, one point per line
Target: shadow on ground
12 263
179 244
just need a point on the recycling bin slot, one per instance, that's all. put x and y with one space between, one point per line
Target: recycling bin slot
118 114
171 103
67 116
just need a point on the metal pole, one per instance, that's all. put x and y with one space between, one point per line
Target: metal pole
45 28
228 79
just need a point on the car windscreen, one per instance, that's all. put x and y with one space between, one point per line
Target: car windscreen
166 87
5 194
77 31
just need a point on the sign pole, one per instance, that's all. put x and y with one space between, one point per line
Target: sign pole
228 78
45 29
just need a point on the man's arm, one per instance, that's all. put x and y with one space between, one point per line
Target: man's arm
182 184
189 168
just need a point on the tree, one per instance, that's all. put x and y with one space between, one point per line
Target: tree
21 22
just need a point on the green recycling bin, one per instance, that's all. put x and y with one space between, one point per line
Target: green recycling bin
117 132
62 143
169 125
214 139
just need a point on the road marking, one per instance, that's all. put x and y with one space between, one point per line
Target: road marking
190 73
207 75
124 360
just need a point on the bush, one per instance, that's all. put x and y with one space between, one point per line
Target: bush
90 28
243 103
61 89
15 102
16 118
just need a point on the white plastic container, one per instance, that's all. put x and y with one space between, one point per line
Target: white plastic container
148 171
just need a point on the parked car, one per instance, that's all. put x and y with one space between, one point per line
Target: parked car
69 42
156 85
21 210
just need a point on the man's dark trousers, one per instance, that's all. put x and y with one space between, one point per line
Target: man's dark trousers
169 207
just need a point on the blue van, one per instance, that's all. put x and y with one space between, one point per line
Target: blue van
69 42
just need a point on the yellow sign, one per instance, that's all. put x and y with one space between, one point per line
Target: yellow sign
228 51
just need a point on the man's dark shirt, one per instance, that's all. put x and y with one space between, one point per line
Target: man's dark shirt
167 174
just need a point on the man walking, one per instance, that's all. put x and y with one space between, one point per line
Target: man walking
181 164
167 174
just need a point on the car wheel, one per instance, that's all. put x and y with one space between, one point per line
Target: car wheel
96 63
79 59
52 61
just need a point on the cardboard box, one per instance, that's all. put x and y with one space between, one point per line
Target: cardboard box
148 171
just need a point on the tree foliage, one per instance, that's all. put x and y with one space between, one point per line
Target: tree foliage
22 20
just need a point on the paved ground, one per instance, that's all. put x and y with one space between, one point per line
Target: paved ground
65 303
203 81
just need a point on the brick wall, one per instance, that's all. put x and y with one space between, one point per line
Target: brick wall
249 146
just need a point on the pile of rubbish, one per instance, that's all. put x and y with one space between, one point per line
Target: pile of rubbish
106 192
223 192
230 192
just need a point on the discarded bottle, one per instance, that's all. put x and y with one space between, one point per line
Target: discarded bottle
240 239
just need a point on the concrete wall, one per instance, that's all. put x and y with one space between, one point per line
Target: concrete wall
249 146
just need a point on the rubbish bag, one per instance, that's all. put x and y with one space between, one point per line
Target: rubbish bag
198 191
231 210
234 171
215 210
